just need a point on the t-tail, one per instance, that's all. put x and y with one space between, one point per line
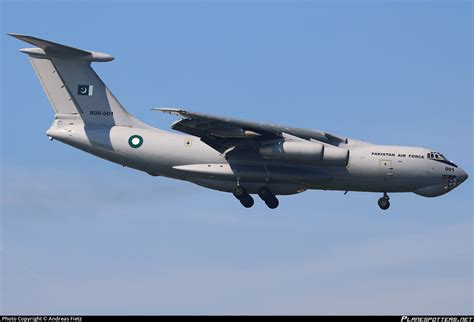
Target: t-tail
75 91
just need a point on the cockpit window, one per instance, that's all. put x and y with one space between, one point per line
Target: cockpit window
439 157
436 156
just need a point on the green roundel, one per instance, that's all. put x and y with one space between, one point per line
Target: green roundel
135 141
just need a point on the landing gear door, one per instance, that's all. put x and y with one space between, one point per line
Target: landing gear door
386 169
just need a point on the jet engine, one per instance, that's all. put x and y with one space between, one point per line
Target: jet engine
305 152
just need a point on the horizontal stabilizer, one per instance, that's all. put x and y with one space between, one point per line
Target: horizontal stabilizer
52 49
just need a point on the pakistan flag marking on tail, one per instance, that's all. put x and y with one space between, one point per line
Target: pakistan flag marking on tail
85 90
135 141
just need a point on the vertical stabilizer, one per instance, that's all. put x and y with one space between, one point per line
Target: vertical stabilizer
72 86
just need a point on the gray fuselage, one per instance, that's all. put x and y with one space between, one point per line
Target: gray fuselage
372 168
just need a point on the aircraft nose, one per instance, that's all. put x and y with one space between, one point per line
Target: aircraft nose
462 175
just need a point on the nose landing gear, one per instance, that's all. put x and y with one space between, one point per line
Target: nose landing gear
245 199
268 197
384 202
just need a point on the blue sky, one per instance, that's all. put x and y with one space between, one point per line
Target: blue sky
80 235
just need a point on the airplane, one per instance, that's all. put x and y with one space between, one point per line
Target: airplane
225 154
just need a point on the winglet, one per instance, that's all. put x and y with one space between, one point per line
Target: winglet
52 49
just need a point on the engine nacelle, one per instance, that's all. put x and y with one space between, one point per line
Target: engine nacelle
307 152
293 151
335 156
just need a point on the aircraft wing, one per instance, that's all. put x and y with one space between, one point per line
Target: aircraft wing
222 133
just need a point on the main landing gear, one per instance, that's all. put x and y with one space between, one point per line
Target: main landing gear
268 197
247 201
384 202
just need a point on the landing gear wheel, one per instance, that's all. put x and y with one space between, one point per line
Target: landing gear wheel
247 201
239 192
272 203
265 193
384 204
268 197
